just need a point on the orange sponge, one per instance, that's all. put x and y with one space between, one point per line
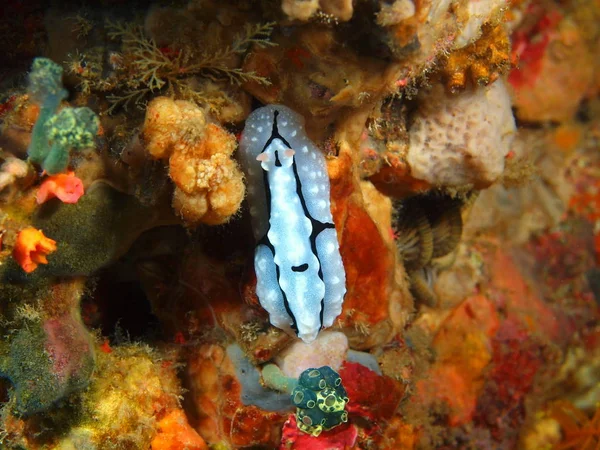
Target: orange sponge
174 433
31 248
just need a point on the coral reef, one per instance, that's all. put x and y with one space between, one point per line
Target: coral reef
131 313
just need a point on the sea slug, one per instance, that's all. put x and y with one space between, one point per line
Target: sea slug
300 275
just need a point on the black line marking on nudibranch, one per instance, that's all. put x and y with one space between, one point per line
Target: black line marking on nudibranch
301 268
317 225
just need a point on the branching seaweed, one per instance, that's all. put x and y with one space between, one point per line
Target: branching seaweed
148 68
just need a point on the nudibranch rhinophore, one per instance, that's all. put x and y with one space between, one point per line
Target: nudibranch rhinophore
300 275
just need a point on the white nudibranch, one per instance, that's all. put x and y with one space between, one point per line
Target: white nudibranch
300 275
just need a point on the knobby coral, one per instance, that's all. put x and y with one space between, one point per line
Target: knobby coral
209 185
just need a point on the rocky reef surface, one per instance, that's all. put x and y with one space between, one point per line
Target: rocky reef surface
461 142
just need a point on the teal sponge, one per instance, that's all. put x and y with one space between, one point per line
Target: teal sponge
71 128
55 134
45 83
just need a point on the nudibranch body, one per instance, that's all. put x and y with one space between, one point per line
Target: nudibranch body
300 275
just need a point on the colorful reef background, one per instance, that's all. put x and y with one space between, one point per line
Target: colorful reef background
462 143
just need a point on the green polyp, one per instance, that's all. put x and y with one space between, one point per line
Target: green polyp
45 82
274 378
71 128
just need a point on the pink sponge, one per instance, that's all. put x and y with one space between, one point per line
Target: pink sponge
66 186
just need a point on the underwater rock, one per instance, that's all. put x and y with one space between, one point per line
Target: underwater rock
461 140
337 10
316 76
299 10
558 56
96 230
15 175
464 351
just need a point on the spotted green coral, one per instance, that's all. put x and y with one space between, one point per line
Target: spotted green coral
71 128
45 82
45 87
320 400
55 134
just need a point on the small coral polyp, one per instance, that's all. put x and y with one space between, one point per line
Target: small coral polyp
320 400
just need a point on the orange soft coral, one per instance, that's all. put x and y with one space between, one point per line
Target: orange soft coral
65 186
31 248
174 432
209 184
